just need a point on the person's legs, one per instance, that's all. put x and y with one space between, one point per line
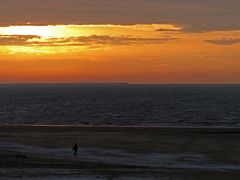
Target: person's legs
75 153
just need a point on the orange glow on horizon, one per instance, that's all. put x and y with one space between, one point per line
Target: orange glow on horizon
153 53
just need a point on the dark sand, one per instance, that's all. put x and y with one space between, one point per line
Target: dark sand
44 152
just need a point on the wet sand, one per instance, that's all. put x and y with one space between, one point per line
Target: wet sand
44 152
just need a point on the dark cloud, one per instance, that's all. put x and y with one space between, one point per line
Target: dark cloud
169 30
195 15
18 40
224 41
15 40
116 40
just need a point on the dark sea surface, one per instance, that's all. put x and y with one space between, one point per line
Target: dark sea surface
120 104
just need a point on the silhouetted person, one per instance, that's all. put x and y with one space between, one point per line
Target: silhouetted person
75 150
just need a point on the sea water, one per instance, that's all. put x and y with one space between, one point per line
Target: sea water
120 104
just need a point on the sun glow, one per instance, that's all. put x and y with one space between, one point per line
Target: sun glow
51 39
43 31
49 31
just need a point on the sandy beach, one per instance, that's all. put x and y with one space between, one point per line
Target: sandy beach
45 152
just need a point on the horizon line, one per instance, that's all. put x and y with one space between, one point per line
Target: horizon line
109 83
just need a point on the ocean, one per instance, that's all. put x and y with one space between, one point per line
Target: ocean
120 104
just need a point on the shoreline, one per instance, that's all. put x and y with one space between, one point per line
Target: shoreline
119 126
116 126
169 129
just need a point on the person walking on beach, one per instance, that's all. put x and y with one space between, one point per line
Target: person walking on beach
75 150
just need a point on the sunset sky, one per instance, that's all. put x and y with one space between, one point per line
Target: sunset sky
134 41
